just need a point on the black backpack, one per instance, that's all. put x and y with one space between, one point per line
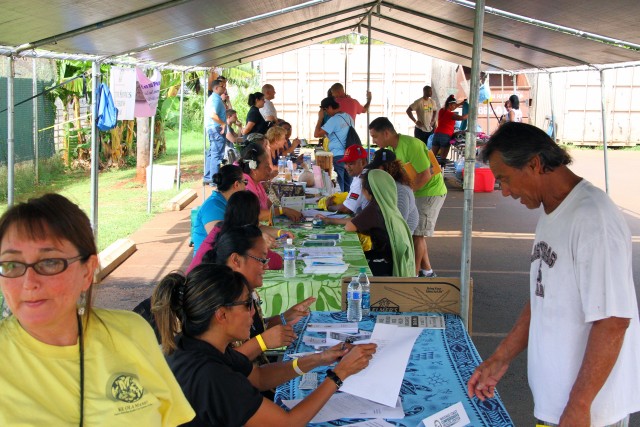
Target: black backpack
352 136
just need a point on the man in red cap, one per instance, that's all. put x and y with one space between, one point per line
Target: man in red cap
355 159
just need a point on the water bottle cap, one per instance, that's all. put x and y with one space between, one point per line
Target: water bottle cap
363 270
289 241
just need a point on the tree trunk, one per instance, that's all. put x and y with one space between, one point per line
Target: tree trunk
142 148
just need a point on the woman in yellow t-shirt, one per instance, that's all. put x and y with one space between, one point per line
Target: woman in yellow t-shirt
66 363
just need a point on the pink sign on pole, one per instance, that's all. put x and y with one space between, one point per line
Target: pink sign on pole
147 93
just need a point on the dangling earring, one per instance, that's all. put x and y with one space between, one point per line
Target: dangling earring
82 302
5 311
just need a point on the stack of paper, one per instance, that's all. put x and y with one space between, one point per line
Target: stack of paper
322 260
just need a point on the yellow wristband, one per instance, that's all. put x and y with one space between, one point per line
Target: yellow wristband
261 343
279 233
297 368
280 208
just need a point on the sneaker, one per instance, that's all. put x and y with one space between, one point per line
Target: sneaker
423 274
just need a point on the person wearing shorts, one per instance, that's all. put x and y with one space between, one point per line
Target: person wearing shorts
428 187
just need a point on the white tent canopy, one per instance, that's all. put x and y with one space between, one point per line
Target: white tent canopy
200 33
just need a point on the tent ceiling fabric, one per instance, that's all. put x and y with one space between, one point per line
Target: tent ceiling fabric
438 28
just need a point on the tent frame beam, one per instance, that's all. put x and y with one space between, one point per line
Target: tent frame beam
99 25
485 34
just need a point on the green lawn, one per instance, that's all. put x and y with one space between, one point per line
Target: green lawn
122 202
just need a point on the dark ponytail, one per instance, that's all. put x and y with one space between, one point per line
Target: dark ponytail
187 304
253 97
227 176
237 240
252 152
243 208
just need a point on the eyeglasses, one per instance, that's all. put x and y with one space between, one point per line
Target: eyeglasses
44 267
248 303
263 261
244 181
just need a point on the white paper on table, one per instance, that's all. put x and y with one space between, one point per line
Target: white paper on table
324 261
310 213
320 251
326 269
381 380
412 321
349 327
453 416
373 423
343 405
293 202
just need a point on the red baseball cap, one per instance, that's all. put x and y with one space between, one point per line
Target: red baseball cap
354 153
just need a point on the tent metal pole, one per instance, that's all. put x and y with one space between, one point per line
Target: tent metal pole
205 138
487 80
604 131
368 83
346 64
10 132
34 87
553 117
470 164
150 174
95 147
180 126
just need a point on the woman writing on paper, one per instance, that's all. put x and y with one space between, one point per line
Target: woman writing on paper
211 308
244 250
256 165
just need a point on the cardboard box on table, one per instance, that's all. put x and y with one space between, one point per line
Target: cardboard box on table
415 294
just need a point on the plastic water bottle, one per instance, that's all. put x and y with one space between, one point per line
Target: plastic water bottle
282 165
289 259
354 301
366 295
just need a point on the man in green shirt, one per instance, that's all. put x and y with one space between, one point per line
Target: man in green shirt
428 187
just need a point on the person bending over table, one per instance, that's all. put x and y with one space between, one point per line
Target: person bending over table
243 208
256 165
244 250
214 306
355 160
392 248
386 160
65 362
228 180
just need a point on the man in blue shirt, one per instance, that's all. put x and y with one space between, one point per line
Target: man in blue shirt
215 118
336 129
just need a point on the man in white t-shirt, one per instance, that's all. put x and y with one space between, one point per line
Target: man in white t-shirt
425 119
581 323
355 159
268 111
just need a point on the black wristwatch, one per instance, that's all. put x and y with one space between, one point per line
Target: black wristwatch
334 377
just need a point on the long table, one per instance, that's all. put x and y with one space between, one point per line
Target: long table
279 293
439 367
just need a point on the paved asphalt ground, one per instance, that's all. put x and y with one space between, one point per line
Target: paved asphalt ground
500 267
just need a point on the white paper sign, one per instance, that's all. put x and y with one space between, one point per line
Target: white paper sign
122 84
453 416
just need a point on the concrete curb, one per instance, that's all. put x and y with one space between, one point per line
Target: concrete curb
180 201
113 256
